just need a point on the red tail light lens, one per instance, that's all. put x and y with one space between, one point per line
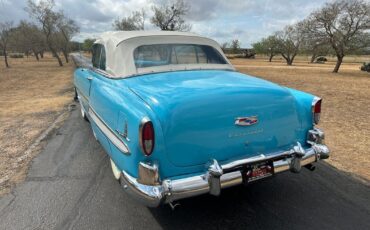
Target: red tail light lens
316 109
147 137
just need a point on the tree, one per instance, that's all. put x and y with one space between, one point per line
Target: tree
224 46
43 13
28 37
343 25
134 22
312 44
268 46
170 16
289 42
5 36
235 46
87 44
67 28
315 48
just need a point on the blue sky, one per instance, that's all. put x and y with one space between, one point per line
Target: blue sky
222 20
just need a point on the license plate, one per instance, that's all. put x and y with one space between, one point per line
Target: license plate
259 171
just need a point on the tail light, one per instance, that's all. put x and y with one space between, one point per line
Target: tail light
316 109
146 137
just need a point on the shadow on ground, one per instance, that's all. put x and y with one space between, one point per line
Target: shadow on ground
325 199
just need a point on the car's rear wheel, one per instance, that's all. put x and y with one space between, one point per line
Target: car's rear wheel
115 170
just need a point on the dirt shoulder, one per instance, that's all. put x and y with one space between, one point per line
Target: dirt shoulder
32 95
346 105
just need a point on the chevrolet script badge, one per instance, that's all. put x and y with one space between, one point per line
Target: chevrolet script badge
246 121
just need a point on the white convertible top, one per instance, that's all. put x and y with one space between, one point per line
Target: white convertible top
120 45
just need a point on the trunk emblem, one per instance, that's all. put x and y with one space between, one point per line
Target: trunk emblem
246 121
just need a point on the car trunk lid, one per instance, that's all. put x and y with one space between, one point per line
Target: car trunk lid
198 111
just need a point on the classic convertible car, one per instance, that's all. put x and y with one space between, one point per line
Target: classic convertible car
177 120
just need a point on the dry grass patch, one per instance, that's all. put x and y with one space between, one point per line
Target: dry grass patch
32 94
346 104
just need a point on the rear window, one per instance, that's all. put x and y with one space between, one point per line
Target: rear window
176 54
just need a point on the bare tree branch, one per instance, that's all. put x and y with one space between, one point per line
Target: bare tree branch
134 22
170 16
43 13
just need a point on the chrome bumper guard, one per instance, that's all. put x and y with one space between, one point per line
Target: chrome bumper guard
219 176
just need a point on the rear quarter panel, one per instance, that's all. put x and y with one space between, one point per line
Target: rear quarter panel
116 104
303 105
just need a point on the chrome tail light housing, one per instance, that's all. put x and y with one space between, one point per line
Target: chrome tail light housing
316 110
146 136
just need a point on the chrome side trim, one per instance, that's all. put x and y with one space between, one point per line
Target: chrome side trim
102 72
108 132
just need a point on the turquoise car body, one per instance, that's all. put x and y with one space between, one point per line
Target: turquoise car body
195 110
208 127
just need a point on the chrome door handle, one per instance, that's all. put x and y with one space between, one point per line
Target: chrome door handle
89 78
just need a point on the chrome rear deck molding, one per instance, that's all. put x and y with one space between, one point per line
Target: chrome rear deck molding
108 132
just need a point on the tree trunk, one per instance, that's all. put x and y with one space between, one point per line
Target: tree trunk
313 57
36 55
6 58
55 54
41 54
292 59
270 58
53 51
339 62
288 60
65 54
58 58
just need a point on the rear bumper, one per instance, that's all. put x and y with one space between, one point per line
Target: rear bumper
217 176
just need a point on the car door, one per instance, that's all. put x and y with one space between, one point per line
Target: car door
87 75
96 84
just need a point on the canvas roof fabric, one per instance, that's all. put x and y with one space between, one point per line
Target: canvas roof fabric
120 45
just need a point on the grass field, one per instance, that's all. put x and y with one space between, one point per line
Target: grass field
32 94
346 104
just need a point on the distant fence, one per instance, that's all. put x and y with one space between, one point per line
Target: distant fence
80 60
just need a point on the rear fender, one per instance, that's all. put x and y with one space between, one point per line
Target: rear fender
119 107
303 102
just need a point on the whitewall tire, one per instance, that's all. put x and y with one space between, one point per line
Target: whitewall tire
115 170
83 113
